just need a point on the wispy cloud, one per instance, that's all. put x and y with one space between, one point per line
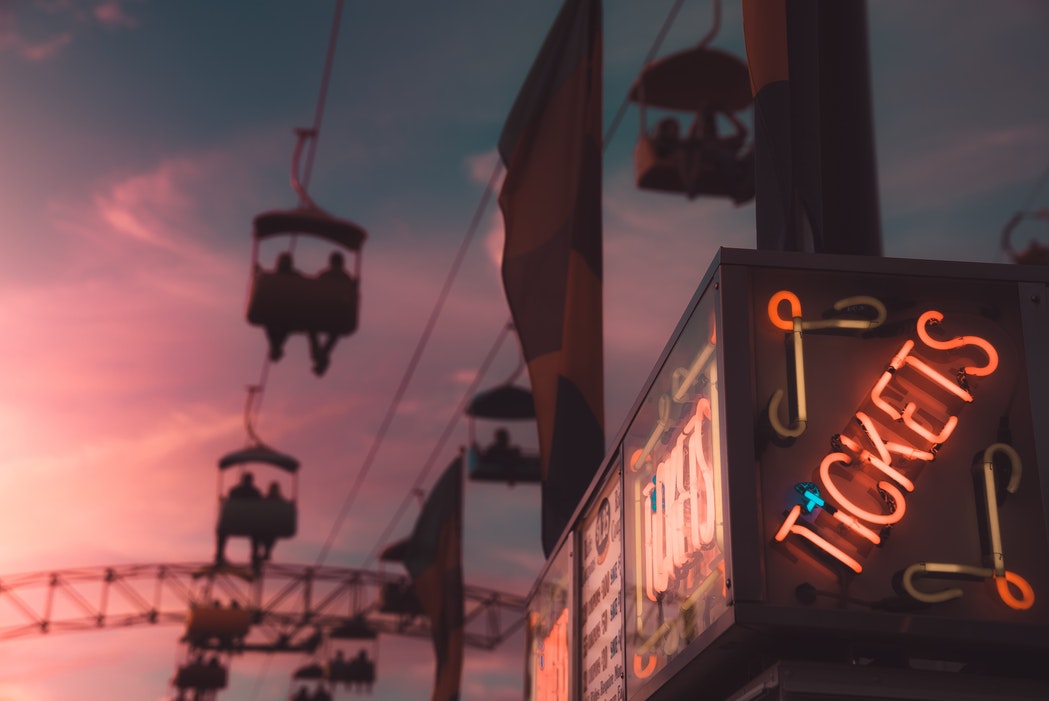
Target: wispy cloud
55 23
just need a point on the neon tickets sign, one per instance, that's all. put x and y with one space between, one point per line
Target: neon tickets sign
674 483
909 415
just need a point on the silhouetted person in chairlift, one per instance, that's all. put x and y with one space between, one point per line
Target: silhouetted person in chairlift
501 450
320 348
303 694
321 694
668 137
245 489
715 156
362 670
263 548
275 334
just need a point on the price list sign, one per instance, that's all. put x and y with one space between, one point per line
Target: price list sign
602 597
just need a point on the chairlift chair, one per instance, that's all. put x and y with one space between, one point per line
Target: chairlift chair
501 461
269 516
285 301
203 678
216 627
706 83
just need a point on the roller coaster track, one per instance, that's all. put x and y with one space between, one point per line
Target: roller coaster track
293 607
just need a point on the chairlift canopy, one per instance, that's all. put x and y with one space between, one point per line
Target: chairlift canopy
689 80
310 221
506 402
259 454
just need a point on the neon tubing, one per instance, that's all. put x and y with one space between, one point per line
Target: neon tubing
934 438
957 342
643 672
857 526
939 378
715 450
663 407
895 364
862 324
888 487
828 548
909 452
872 432
991 498
795 310
920 569
1026 599
688 377
868 457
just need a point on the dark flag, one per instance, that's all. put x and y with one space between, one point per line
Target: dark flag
551 202
434 558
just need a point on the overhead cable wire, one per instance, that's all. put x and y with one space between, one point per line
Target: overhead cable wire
609 133
318 118
441 442
413 363
649 57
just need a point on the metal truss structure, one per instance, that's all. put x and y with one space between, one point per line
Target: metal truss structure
293 607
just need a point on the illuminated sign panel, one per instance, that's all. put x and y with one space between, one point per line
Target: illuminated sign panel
550 631
601 603
674 510
831 452
897 458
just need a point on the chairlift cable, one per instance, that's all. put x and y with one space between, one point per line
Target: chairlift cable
649 57
413 363
471 230
438 449
322 96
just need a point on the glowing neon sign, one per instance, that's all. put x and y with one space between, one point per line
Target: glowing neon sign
673 481
921 405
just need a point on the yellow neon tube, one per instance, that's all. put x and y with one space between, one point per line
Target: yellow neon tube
991 499
862 324
715 450
663 407
923 569
957 342
682 379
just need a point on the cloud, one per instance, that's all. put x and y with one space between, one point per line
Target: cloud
111 13
55 23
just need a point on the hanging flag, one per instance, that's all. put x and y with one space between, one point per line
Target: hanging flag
551 202
434 558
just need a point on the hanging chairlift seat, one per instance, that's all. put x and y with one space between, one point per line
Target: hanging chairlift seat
501 461
399 598
201 676
704 82
262 518
288 302
357 671
217 627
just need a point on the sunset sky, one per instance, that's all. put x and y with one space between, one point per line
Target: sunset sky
139 138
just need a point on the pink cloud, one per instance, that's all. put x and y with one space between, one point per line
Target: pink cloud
112 14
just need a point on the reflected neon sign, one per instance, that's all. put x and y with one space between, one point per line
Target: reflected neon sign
918 403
